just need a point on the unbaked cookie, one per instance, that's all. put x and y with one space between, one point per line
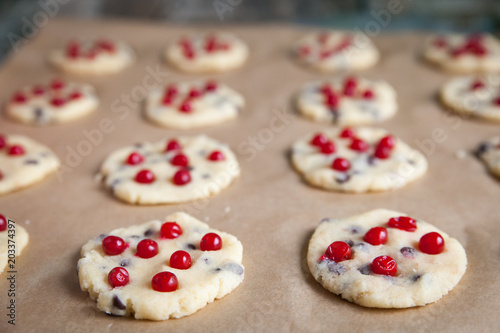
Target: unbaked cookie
474 95
347 101
489 153
357 160
161 269
331 51
92 57
13 240
23 162
193 104
385 259
461 53
56 102
207 52
170 171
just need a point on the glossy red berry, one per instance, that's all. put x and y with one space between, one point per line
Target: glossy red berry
211 86
147 248
19 98
319 140
387 141
193 93
477 85
181 177
167 100
328 148
376 236
211 242
216 156
173 145
16 150
170 230
106 45
332 100
113 245
384 265
326 89
347 133
186 107
180 260
368 94
57 101
403 222
164 282
180 160
3 223
145 176
189 53
57 84
358 145
350 86
75 95
134 159
382 152
171 90
338 251
118 277
431 243
341 164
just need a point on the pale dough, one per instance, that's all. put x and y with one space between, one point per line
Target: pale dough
18 237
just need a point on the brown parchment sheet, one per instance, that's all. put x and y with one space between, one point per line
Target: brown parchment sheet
269 208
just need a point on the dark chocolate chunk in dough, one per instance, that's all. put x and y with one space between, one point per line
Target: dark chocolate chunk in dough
117 303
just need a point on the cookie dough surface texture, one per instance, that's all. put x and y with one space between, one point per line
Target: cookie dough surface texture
420 278
23 162
174 170
347 101
461 53
357 160
57 102
473 95
331 51
212 275
193 104
207 53
18 237
489 153
92 57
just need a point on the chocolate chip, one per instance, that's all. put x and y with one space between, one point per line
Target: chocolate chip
190 246
149 233
231 267
415 277
40 115
334 267
408 252
101 237
125 262
207 261
190 168
135 236
483 148
349 242
342 178
138 145
326 219
355 229
335 114
112 314
117 303
412 162
365 269
362 246
205 176
114 183
31 161
371 160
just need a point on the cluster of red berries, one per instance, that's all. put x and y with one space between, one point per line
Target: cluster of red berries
325 50
53 91
186 106
473 45
350 89
210 45
478 84
74 49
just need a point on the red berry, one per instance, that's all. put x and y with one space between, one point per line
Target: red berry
211 86
477 85
384 265
350 86
181 177
180 260
185 107
216 156
173 145
458 52
147 248
480 51
211 242
338 251
387 141
439 42
431 243
164 282
16 150
145 176
304 51
3 141
193 93
382 152
403 222
328 148
323 257
319 140
496 101
75 95
113 245
57 101
180 160
326 89
19 98
323 37
38 90
368 94
118 277
57 84
73 49
170 230
341 164
167 100
376 236
171 90
332 100
189 53
106 45
3 223
358 145
347 133
134 158
210 44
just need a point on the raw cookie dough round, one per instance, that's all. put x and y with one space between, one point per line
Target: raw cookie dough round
207 53
23 162
92 57
461 53
474 95
212 274
357 160
193 104
57 102
489 153
18 238
420 278
170 171
347 101
331 51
